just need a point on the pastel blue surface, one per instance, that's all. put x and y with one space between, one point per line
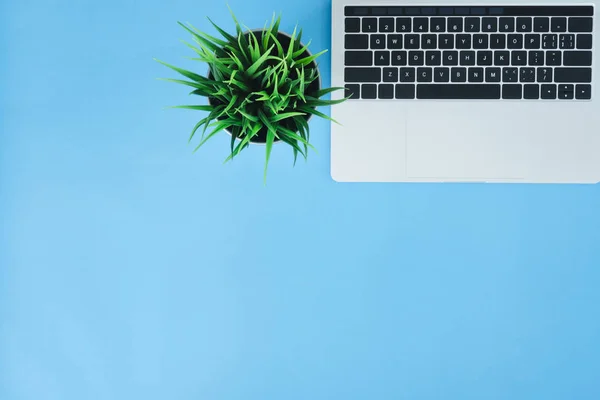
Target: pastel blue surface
131 268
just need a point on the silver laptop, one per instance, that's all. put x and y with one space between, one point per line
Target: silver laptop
469 91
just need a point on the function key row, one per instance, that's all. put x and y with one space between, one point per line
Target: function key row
469 24
515 11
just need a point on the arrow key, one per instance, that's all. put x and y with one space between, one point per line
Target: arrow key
565 92
583 92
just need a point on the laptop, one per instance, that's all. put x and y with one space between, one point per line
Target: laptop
470 91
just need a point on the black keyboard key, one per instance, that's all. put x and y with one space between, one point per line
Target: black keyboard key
450 58
477 11
407 74
531 91
558 24
580 24
489 24
476 75
390 74
386 91
369 91
437 25
583 92
412 42
498 41
412 11
352 25
467 57
405 91
541 24
485 58
510 74
493 74
382 58
378 41
386 25
459 91
548 92
566 92
358 75
524 24
399 58
458 74
429 41
566 41
472 25
572 75
352 42
455 25
501 58
462 11
394 41
463 41
480 41
446 41
518 57
506 24
527 74
353 91
496 11
549 41
533 41
416 57
433 57
421 25
544 75
428 11
536 58
358 58
512 92
369 25
441 74
553 58
515 41
584 41
403 25
577 58
424 74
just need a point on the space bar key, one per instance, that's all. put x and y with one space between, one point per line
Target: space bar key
458 92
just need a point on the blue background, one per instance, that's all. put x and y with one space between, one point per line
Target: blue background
134 269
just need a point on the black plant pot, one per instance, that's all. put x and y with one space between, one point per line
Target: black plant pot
285 40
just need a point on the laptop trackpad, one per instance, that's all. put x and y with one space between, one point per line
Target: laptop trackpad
460 144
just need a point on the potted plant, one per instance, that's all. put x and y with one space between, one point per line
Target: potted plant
262 86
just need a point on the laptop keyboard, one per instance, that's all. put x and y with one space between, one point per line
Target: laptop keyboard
491 53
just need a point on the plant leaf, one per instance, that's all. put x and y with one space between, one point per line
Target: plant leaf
252 70
307 60
198 108
222 32
323 92
283 116
310 110
219 126
269 145
187 74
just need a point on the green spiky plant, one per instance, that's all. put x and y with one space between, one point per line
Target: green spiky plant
259 88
